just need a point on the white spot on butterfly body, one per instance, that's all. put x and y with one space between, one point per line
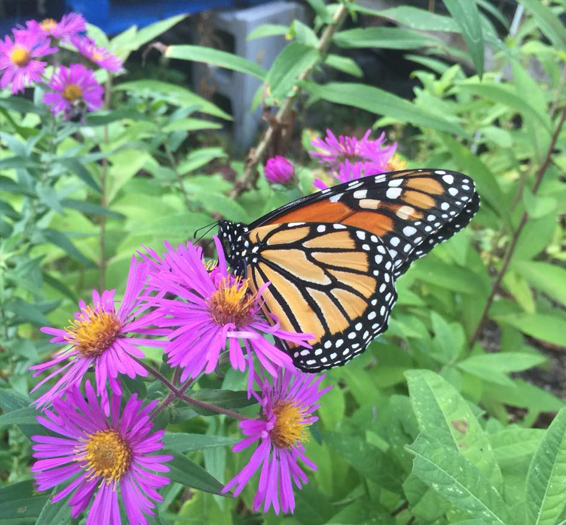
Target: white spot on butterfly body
449 179
339 226
339 343
453 191
409 231
395 240
360 194
321 228
395 182
361 235
318 351
444 206
440 172
293 224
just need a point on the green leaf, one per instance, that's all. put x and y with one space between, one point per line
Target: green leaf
78 169
148 33
174 94
448 276
538 206
185 471
505 95
216 57
548 278
384 38
56 513
344 64
289 64
20 508
60 239
381 102
456 479
227 207
467 17
21 416
48 196
90 208
443 413
420 19
321 10
180 442
545 481
267 30
222 398
27 312
365 458
547 22
493 367
545 327
510 445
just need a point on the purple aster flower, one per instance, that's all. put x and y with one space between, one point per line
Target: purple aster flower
71 85
98 455
69 26
287 409
17 59
212 311
278 170
99 55
102 337
350 158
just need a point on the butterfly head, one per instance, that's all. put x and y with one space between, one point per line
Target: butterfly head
234 238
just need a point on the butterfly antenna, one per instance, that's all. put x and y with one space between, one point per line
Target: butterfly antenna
208 228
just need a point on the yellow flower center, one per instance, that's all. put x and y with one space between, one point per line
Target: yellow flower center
395 163
108 455
290 427
94 332
72 92
48 24
20 56
96 56
232 303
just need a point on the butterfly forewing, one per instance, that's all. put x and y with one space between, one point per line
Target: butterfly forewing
410 210
330 280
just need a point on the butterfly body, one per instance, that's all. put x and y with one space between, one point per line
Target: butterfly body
332 257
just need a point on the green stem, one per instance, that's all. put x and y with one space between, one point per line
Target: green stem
177 393
510 251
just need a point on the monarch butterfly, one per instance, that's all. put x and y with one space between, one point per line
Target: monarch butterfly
332 257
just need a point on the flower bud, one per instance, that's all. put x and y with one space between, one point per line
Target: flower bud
279 170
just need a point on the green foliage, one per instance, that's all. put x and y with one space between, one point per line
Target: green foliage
442 420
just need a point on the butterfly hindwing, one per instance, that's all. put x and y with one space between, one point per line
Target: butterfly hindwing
331 280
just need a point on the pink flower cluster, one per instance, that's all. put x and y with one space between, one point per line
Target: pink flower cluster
202 317
22 63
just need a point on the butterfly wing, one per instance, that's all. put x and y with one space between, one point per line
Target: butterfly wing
331 280
410 211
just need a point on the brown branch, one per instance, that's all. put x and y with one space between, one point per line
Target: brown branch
509 253
255 155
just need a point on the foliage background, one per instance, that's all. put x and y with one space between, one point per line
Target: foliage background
444 419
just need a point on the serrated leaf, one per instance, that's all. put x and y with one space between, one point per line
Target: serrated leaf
545 481
457 480
185 471
444 414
